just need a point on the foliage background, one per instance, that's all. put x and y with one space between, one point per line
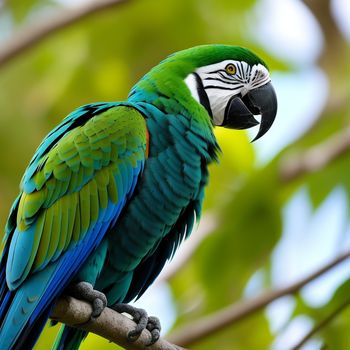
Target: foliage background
274 210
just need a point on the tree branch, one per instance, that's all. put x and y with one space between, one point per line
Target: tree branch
334 42
317 157
322 324
110 325
32 35
207 326
333 56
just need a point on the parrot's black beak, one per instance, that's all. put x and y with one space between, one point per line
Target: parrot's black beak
240 111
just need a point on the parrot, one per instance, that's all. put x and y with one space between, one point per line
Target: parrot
115 188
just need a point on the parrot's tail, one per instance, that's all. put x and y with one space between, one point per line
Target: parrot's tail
24 311
69 338
30 331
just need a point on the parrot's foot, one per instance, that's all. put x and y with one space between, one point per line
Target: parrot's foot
85 291
143 321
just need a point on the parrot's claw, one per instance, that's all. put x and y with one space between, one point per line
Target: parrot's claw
142 320
85 291
154 328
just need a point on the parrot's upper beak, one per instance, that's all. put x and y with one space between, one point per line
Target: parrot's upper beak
240 111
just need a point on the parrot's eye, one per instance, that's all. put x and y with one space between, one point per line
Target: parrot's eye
230 69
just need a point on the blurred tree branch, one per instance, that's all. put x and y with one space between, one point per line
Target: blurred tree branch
322 324
334 44
110 325
2 4
316 157
334 55
207 326
30 36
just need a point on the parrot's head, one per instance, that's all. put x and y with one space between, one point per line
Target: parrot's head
234 86
231 83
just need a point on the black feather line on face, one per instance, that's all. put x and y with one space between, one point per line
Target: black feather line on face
241 71
225 81
221 87
203 97
217 71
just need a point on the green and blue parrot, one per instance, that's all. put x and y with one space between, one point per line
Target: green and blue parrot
114 189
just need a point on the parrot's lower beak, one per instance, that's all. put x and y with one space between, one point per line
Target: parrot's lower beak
240 111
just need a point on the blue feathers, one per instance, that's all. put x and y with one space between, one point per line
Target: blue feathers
19 256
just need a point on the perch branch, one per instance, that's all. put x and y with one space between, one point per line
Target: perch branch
110 325
28 37
236 312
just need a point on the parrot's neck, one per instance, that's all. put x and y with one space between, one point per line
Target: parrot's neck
170 98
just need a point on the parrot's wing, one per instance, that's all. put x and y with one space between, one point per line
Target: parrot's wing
73 190
82 181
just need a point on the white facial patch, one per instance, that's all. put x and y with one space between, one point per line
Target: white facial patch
192 85
220 86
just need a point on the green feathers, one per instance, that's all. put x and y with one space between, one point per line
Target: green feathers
87 169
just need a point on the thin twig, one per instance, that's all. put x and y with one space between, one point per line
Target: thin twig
28 37
317 157
232 314
110 325
322 324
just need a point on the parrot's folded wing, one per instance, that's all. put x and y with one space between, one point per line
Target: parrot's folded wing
72 192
